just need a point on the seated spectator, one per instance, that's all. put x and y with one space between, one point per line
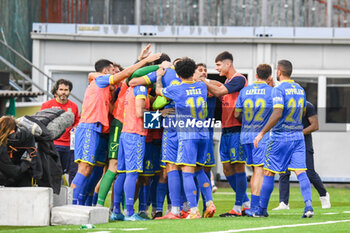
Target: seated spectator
14 170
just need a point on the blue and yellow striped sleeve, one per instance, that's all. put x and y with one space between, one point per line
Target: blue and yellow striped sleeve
278 106
140 92
140 97
277 98
111 80
146 78
104 81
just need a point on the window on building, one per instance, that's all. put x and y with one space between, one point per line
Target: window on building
338 100
310 86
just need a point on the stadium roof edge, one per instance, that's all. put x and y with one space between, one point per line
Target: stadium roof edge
188 34
192 39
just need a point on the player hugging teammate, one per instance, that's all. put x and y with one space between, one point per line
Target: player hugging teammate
159 162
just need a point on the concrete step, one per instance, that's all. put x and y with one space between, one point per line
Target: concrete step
25 206
77 215
64 198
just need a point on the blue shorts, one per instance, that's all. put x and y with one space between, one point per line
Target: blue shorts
148 162
210 158
88 146
281 156
102 150
231 150
131 152
169 146
192 152
157 149
255 156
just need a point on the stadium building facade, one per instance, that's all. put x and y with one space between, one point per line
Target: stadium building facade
314 35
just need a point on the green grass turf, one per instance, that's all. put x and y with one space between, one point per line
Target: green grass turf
224 202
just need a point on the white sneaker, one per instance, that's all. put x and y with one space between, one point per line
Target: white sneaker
325 201
282 206
214 188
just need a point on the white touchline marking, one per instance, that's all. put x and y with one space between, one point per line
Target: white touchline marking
133 229
100 232
104 230
282 226
329 213
231 193
346 212
279 213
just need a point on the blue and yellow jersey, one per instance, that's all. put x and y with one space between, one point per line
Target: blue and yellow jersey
169 78
255 103
191 108
290 97
211 104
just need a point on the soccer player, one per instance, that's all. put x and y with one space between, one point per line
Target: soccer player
61 91
94 119
254 105
232 156
131 151
310 124
190 106
169 148
286 146
201 73
114 136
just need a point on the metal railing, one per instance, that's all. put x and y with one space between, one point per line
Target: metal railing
26 77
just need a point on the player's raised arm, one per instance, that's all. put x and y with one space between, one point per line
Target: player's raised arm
144 53
94 75
159 85
130 70
214 87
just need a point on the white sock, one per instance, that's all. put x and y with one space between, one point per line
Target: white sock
246 204
212 183
237 208
208 203
194 210
175 210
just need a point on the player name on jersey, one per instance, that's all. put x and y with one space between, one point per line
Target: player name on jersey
294 91
255 92
194 91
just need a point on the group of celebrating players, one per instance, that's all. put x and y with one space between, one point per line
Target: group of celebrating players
261 127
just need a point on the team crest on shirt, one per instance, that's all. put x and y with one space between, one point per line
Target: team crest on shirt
151 120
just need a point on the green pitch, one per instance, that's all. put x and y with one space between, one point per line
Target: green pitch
336 219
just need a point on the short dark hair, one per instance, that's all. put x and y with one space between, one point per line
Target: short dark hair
285 67
118 65
176 60
58 83
163 57
185 67
101 64
263 71
224 56
201 64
